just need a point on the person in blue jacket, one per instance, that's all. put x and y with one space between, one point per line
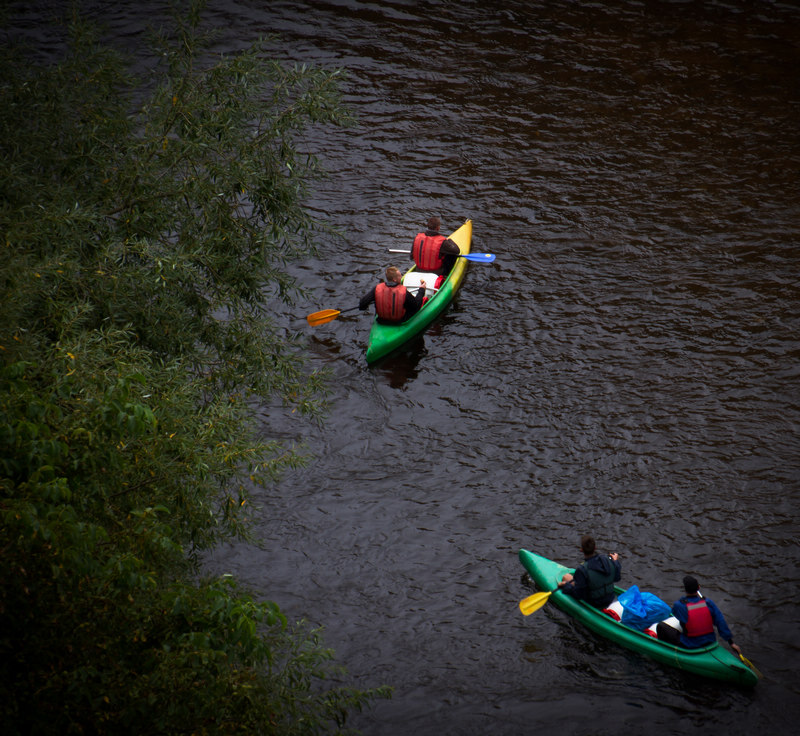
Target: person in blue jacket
593 581
698 617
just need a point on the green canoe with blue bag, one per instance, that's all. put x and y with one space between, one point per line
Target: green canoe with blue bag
713 661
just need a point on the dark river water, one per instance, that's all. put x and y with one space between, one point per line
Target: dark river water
628 366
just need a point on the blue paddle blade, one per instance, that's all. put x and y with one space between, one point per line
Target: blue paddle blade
480 257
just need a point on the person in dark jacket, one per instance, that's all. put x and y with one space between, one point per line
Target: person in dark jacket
432 251
593 581
698 617
393 302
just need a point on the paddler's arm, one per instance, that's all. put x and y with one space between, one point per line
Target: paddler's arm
449 248
574 584
414 297
567 584
367 299
614 557
722 625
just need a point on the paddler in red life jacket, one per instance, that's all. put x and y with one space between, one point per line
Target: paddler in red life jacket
698 617
432 251
393 302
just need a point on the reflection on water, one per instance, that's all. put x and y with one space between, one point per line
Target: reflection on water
401 366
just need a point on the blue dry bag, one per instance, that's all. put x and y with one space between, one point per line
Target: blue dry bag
640 610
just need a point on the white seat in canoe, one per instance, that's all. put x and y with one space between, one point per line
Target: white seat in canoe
671 621
617 608
413 278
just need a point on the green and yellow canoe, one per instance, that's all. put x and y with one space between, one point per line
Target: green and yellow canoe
383 339
713 661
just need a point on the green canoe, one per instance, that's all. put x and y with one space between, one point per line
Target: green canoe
383 339
713 661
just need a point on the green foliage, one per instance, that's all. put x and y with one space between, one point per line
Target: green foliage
175 220
145 230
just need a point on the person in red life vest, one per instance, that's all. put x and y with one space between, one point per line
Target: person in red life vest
393 302
698 617
594 580
432 251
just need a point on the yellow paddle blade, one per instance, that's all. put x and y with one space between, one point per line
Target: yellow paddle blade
534 602
750 665
323 316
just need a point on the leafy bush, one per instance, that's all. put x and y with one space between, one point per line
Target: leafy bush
145 230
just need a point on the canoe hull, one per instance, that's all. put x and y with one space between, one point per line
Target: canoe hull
384 339
713 661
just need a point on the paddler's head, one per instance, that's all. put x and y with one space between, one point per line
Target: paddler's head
690 585
393 275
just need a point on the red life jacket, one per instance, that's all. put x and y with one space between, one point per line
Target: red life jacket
699 621
390 302
426 251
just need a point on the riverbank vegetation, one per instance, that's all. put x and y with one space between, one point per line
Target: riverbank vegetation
146 225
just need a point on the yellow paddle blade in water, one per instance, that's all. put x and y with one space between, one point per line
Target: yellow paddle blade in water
750 665
320 318
534 602
327 315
